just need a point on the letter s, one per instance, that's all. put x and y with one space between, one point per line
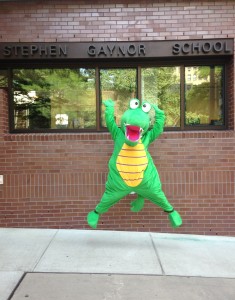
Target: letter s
176 49
7 51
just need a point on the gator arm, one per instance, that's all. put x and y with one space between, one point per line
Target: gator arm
158 124
109 118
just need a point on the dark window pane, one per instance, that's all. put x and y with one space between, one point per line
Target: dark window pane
54 98
120 86
204 96
161 86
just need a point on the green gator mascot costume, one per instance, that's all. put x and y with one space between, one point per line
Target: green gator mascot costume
131 168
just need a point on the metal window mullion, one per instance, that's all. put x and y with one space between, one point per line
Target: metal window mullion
139 87
212 90
11 100
98 96
182 98
225 88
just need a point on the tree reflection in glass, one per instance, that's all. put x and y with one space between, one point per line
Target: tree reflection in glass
161 86
204 94
120 85
54 98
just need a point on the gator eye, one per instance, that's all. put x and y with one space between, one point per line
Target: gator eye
134 103
146 107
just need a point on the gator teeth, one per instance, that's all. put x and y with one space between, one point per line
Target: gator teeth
126 124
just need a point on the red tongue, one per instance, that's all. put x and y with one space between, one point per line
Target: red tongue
133 133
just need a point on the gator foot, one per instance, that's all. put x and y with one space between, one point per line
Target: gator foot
93 219
175 219
137 204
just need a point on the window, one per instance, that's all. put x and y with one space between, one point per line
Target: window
161 86
54 99
70 99
204 97
120 85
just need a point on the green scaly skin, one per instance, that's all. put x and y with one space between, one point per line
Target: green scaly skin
150 186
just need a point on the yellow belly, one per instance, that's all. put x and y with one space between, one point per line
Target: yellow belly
131 164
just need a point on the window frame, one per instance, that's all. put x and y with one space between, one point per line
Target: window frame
125 63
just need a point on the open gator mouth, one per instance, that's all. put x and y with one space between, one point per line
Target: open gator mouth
133 133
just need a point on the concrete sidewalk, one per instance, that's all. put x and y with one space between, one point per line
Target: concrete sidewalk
42 264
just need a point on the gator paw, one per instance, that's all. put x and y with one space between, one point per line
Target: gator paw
175 219
108 103
137 204
93 219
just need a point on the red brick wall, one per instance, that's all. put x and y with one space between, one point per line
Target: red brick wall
53 180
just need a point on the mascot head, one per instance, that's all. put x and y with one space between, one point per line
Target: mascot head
135 121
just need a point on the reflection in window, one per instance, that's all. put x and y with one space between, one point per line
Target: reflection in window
120 86
63 98
204 105
3 79
54 98
161 86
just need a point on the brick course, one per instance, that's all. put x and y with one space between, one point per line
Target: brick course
53 180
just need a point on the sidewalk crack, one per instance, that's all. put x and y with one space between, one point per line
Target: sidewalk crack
157 255
39 259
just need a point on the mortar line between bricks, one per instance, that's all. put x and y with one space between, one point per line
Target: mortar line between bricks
157 255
